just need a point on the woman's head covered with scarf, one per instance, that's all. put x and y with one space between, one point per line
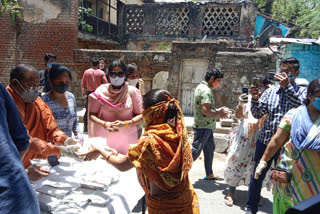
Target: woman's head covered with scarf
159 107
163 153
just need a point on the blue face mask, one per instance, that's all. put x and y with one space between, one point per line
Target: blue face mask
291 77
49 64
317 103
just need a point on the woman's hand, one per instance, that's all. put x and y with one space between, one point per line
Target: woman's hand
92 154
116 125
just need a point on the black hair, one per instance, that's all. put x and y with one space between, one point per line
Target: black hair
132 67
17 71
214 72
158 95
313 88
47 56
118 63
291 61
102 58
95 61
57 70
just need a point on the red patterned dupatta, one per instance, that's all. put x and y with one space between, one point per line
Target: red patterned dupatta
163 154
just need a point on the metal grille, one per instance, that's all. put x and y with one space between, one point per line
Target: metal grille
135 18
221 21
172 21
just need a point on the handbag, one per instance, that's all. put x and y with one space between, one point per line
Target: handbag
283 175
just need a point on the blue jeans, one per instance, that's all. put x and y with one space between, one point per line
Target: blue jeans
203 140
254 191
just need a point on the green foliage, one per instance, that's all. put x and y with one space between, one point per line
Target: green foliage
302 16
164 46
81 21
11 7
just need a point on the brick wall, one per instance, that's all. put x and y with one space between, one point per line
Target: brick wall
7 47
33 36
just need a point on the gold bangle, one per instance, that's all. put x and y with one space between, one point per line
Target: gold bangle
126 124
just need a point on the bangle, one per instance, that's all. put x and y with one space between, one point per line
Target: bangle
104 125
265 154
126 124
109 157
133 123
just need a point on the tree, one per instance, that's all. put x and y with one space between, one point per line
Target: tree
11 7
302 16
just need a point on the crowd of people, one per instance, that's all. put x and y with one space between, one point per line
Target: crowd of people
279 123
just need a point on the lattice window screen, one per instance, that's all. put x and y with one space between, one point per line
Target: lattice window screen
135 18
221 21
172 21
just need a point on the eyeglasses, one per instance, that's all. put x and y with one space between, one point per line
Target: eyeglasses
37 88
114 74
32 88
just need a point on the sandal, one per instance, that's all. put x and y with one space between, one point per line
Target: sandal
228 200
212 177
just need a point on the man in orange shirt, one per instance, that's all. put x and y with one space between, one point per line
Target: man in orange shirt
91 80
25 89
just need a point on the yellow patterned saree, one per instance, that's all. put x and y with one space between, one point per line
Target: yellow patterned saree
163 156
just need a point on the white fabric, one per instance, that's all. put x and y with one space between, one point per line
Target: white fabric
67 182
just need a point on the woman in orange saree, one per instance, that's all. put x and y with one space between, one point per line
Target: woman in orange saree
162 157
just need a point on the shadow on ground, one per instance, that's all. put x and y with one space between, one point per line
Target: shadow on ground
212 186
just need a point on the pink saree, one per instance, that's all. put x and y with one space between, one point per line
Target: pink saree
111 105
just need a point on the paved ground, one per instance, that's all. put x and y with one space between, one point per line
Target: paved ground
211 193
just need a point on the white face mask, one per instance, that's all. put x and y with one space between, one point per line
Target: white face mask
101 66
133 82
117 81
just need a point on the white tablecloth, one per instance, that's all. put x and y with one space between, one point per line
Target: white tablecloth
87 187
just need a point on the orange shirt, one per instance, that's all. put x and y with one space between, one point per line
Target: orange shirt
40 123
92 79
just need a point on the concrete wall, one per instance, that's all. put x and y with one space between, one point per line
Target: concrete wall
48 26
238 64
149 64
309 57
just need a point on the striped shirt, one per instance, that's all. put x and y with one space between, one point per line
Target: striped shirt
276 102
92 79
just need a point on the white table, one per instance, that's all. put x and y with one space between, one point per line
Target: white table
87 187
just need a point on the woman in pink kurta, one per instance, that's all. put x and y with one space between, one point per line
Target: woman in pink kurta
115 110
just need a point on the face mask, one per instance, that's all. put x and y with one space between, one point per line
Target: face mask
28 96
61 88
291 77
133 82
101 66
49 64
317 103
117 81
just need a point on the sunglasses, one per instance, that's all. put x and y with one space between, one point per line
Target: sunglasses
114 74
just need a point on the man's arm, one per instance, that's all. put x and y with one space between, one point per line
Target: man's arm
206 110
83 84
259 107
295 98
